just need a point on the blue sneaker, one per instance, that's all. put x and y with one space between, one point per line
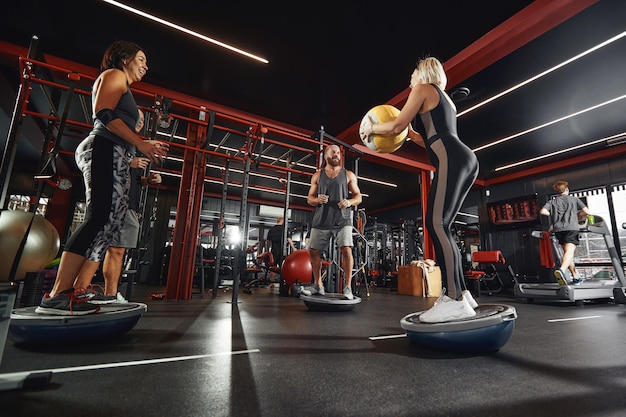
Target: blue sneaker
577 281
560 276
67 303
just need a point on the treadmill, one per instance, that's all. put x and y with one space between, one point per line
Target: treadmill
614 288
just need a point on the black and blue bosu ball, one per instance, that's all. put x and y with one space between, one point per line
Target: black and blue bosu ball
329 302
487 331
28 327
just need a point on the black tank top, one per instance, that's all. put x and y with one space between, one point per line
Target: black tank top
329 216
126 110
439 121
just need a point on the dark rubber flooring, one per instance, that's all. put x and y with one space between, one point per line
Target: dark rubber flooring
268 355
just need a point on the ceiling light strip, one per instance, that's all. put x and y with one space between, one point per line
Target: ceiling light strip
546 72
560 119
559 152
185 30
388 184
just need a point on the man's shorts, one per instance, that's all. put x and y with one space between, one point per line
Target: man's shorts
321 238
567 236
129 235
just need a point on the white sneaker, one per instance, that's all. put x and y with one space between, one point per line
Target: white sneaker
447 310
313 289
470 299
347 292
120 299
466 295
442 297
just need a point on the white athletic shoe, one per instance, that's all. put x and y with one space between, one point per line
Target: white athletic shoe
120 298
347 292
446 310
470 299
466 295
442 297
313 289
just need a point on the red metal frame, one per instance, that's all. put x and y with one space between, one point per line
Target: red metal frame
191 189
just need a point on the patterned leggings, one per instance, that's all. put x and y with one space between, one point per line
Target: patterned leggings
106 173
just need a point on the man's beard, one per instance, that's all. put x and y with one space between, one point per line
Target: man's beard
334 162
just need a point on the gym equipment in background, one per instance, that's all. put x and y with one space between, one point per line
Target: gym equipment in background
551 253
266 264
487 278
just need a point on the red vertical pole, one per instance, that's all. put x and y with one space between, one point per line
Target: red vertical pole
185 239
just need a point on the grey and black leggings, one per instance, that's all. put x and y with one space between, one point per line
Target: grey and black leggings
106 173
456 169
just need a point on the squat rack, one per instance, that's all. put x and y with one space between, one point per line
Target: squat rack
210 132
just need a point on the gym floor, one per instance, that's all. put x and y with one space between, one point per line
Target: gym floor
269 355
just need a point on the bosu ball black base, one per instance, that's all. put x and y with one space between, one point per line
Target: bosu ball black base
329 302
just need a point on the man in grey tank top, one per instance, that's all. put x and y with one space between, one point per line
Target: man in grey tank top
334 190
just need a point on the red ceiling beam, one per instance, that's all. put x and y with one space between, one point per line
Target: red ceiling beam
525 26
520 29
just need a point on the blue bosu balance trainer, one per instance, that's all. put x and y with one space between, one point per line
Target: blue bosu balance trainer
487 331
28 327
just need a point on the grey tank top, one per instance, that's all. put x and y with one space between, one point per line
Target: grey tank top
329 216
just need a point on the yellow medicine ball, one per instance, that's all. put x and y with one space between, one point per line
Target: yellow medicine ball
383 143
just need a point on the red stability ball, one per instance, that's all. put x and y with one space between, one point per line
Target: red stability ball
297 267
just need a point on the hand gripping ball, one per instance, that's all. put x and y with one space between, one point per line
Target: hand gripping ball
383 143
